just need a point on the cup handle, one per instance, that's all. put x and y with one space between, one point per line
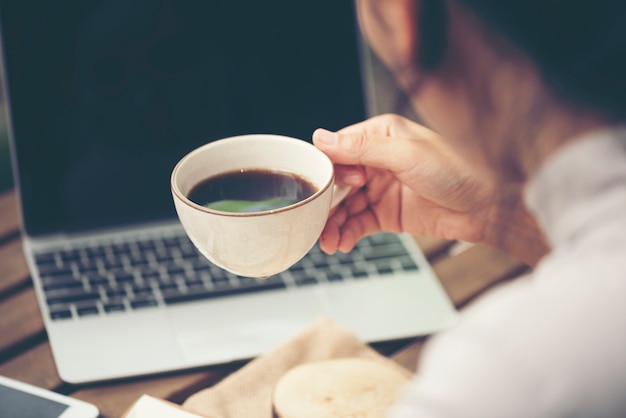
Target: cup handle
339 193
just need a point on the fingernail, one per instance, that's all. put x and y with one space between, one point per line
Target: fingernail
326 137
347 236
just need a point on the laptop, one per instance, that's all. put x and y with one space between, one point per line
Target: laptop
104 98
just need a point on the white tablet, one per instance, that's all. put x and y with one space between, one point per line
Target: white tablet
22 400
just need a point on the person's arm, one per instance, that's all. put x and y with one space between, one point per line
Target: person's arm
407 179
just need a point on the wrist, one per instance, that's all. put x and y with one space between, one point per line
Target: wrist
510 228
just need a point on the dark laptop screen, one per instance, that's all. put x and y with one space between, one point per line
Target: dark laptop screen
107 95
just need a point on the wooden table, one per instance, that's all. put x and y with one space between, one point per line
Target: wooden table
25 352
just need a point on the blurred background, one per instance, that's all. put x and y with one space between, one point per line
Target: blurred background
383 97
380 95
6 180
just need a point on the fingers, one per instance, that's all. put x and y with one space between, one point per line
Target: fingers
356 228
385 142
385 125
351 151
358 148
346 236
329 240
350 175
351 221
345 148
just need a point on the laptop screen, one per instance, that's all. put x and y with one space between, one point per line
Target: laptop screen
107 95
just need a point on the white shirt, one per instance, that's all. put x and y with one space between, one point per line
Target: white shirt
553 344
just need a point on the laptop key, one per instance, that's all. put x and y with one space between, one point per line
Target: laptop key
334 277
190 256
59 311
120 249
112 263
408 264
123 277
96 279
195 287
116 299
193 280
219 279
189 251
87 310
70 255
306 281
382 239
149 272
138 259
115 293
143 301
384 251
200 265
113 307
383 266
345 259
95 252
270 281
163 254
57 282
60 314
174 269
302 279
321 264
87 265
299 266
171 242
146 245
359 273
167 286
318 259
70 295
45 258
53 270
142 290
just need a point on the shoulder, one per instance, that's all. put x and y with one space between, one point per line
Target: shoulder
547 345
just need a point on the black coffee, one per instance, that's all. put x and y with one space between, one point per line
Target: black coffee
253 190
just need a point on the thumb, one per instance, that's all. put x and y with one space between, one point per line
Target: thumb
360 148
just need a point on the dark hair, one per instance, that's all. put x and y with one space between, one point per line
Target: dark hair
579 47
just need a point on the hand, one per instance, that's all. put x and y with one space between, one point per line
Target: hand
405 179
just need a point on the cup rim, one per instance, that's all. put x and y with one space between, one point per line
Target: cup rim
184 199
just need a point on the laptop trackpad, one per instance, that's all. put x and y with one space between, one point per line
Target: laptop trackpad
223 330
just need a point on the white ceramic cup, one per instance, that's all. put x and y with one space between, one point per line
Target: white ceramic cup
256 244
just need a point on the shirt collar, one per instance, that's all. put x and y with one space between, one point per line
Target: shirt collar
578 185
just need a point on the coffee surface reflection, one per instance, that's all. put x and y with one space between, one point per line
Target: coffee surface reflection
253 190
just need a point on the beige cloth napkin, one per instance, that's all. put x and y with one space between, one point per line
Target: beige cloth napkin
248 391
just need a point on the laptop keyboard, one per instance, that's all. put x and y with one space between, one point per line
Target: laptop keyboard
117 277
